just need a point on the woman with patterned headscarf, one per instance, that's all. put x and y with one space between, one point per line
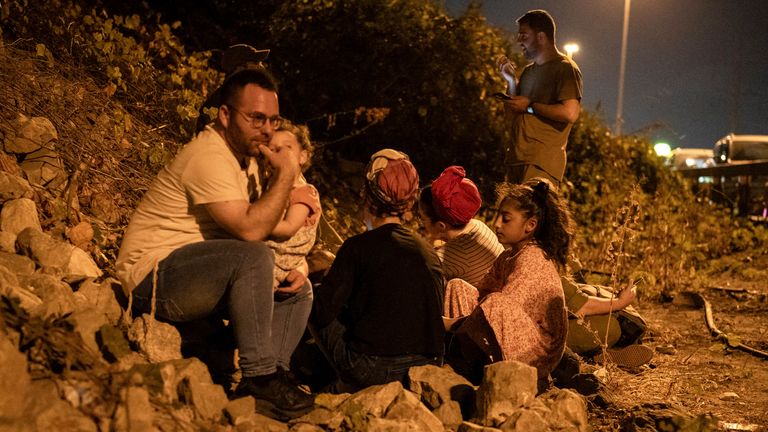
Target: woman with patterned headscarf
378 310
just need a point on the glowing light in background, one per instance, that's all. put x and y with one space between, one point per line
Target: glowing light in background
662 149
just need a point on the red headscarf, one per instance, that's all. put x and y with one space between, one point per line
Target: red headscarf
454 197
392 181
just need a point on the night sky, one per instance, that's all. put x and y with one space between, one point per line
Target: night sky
696 69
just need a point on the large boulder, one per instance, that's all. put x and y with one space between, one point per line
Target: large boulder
507 386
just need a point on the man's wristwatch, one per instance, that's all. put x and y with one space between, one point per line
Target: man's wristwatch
529 110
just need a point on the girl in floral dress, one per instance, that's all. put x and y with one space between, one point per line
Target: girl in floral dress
517 312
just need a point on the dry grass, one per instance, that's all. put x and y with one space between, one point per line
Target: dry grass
106 152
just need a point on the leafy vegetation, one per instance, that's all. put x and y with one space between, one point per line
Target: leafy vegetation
368 74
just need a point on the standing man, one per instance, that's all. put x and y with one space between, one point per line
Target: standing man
195 242
546 102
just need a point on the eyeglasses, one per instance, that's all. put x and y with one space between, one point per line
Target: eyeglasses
257 119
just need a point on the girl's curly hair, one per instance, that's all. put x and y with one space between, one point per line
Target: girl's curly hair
538 197
301 132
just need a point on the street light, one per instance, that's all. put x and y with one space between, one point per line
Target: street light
570 49
622 67
662 149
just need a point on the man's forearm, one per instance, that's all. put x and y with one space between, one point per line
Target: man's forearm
264 213
560 112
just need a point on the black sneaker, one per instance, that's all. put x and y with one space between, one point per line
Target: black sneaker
276 396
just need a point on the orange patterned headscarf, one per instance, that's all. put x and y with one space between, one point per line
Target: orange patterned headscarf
392 182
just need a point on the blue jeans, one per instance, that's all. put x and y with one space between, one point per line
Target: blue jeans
231 278
359 370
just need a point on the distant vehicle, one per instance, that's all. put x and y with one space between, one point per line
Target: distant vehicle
734 147
691 158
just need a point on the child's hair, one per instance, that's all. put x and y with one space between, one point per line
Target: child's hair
537 197
301 133
425 203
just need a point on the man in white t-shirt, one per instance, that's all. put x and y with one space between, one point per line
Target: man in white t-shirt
199 230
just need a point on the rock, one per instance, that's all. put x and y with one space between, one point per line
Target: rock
48 412
49 252
58 298
44 168
241 410
135 413
80 235
43 248
320 416
7 242
305 427
8 164
13 187
449 413
263 423
399 409
728 396
436 386
330 400
14 378
81 265
208 399
87 323
408 408
17 264
568 411
506 386
372 401
666 349
100 296
157 341
19 214
112 343
665 417
526 420
162 379
31 134
473 427
9 285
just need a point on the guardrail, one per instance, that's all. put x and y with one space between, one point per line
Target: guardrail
733 169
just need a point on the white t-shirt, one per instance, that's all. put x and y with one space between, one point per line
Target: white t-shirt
172 213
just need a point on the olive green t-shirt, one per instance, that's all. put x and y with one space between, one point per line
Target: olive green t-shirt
537 140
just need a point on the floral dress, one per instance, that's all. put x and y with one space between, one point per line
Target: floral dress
521 300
